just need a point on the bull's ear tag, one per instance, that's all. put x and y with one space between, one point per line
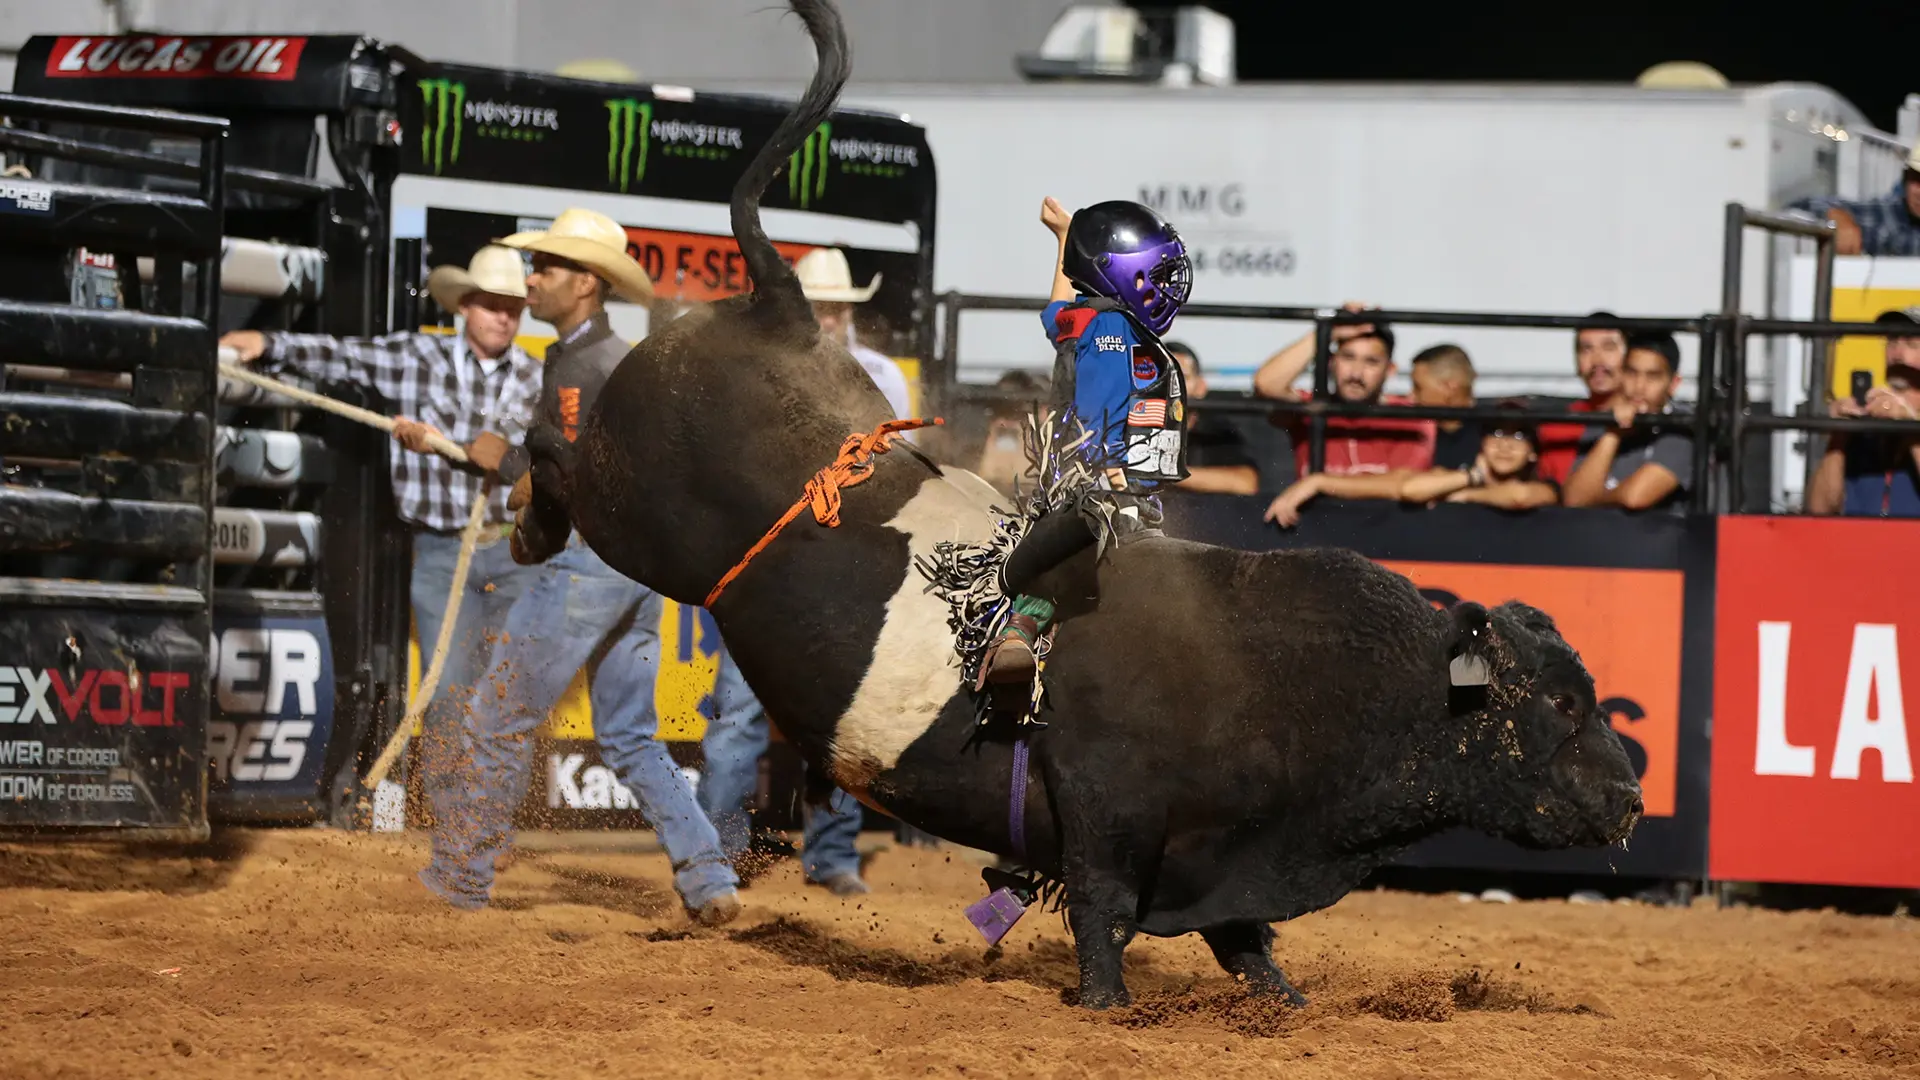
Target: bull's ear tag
1469 670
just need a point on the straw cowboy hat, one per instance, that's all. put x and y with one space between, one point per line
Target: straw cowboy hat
825 276
595 241
493 269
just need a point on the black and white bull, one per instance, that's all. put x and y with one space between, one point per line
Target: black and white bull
1234 739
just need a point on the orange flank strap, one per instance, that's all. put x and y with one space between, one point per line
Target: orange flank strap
822 493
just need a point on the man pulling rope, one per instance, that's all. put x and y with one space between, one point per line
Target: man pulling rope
478 387
577 607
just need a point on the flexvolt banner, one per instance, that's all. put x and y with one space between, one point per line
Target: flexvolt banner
508 127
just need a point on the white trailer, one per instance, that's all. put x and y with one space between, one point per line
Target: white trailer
1550 199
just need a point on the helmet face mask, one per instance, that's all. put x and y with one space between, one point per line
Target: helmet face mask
1126 252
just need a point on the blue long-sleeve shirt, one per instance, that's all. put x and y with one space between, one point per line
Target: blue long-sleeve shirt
1106 373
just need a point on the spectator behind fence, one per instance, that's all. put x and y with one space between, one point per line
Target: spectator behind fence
1502 474
1443 378
1223 456
827 282
1644 468
1003 456
1599 351
1886 225
1874 475
1362 360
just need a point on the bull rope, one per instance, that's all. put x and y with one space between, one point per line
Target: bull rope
821 494
469 540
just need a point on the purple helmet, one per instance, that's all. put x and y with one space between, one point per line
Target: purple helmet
1126 252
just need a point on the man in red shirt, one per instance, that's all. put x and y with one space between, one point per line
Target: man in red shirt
1599 352
1362 360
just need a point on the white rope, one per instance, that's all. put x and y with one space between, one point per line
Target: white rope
445 447
417 705
469 539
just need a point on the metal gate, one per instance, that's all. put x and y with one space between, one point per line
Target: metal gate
106 514
307 642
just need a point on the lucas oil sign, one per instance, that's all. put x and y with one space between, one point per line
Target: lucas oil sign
147 56
272 714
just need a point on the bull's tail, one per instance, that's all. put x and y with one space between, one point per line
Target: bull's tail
777 296
543 516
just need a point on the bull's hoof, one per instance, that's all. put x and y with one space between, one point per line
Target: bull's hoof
1280 990
1097 999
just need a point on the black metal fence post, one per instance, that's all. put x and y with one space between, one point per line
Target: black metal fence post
1322 368
1705 433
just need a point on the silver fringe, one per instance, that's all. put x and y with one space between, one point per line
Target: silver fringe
967 576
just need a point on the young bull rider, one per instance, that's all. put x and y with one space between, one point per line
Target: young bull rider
1120 276
576 607
477 387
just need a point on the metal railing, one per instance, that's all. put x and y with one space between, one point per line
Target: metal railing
1719 424
1733 338
1323 405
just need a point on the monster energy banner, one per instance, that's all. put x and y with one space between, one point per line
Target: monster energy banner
511 127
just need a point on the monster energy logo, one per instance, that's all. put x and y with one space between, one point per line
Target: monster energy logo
807 166
446 111
629 130
634 135
440 97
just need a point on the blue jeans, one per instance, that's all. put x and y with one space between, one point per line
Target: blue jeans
576 607
444 734
737 734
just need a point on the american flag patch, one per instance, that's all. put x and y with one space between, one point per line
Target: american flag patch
1148 412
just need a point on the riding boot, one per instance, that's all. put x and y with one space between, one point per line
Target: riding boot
1016 652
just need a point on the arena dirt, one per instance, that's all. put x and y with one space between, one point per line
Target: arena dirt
313 953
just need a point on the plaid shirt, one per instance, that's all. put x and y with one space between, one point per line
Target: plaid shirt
436 379
1886 226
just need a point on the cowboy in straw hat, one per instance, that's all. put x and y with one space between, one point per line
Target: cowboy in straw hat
576 604
736 738
827 281
479 388
587 242
493 270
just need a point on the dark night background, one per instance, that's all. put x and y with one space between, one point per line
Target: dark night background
1868 52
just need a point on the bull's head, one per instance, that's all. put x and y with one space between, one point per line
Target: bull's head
1546 768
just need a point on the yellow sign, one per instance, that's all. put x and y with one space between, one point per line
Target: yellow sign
686 676
1868 354
910 367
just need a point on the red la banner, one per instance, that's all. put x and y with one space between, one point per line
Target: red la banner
1817 633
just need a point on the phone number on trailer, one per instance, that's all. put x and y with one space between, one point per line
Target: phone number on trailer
1229 259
